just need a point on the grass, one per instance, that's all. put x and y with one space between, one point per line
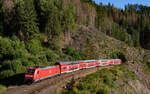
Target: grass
105 81
2 88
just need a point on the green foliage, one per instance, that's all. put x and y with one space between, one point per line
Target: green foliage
26 18
130 75
103 81
117 55
34 46
74 53
6 73
15 66
12 49
32 33
55 19
1 19
128 25
15 57
2 88
121 34
117 32
106 80
102 91
69 51
51 56
69 17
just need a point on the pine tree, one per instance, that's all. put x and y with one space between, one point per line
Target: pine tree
1 20
26 19
69 17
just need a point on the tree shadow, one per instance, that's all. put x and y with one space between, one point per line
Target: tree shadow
13 80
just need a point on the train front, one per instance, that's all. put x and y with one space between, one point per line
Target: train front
30 74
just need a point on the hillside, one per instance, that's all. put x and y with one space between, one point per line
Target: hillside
130 77
42 32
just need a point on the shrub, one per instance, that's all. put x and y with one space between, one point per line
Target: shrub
106 80
2 88
130 75
117 55
17 66
114 71
6 73
7 64
34 60
10 50
51 56
14 65
102 91
27 63
34 46
74 53
68 51
26 18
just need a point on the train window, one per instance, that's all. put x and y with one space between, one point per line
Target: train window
64 67
31 70
82 64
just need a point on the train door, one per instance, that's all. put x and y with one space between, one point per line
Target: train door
38 75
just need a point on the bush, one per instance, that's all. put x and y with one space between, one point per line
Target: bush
27 63
34 60
17 66
102 91
130 75
117 55
2 88
106 80
10 50
68 51
6 73
74 53
14 65
51 56
34 46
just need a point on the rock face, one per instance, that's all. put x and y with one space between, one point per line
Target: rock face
139 87
7 4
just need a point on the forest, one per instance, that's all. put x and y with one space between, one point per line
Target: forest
31 31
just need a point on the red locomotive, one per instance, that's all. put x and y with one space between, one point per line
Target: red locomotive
43 72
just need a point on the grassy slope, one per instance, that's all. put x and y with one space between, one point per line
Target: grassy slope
106 81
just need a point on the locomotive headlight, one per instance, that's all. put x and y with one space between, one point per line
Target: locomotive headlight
28 75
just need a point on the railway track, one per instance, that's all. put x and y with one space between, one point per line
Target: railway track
51 85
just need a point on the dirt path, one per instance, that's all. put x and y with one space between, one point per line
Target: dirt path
50 85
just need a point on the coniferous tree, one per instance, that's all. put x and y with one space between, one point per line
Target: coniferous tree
69 17
1 19
26 19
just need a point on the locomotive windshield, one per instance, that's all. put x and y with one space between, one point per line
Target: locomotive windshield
31 70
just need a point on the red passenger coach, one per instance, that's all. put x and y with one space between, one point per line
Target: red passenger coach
91 63
82 64
70 66
62 67
117 61
111 62
104 62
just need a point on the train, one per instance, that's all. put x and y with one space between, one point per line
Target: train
38 73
